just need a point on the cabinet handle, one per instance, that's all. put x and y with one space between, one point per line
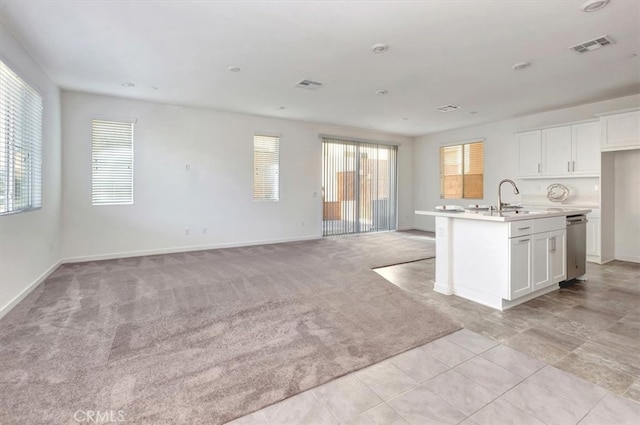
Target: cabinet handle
574 166
553 244
538 168
523 240
568 165
523 228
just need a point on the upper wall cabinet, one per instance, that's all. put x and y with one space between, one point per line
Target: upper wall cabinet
620 131
585 139
529 153
556 151
570 150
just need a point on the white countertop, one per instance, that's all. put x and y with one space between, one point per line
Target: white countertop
512 216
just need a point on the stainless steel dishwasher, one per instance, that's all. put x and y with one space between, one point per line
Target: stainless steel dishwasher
576 246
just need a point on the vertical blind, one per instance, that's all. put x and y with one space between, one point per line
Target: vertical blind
462 171
358 187
112 163
266 168
20 144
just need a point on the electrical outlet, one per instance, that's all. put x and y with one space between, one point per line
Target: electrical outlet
187 232
204 230
187 167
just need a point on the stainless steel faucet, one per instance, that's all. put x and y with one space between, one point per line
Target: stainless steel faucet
515 190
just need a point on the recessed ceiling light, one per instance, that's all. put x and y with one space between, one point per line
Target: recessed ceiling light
154 88
234 68
379 48
473 112
381 92
128 85
593 5
405 119
280 108
520 66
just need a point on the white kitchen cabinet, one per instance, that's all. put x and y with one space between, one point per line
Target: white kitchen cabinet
558 255
538 259
540 266
593 237
556 151
585 152
520 266
620 131
529 153
571 150
565 151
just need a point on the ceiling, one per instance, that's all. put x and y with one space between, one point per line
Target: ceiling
440 52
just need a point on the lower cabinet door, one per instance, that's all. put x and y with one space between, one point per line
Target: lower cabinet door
557 255
540 267
593 236
520 264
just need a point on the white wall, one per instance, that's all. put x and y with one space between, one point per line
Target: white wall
627 205
30 242
500 158
216 194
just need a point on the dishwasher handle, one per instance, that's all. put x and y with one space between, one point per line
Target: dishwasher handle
576 219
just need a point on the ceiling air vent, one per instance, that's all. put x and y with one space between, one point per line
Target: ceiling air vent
448 108
594 44
309 84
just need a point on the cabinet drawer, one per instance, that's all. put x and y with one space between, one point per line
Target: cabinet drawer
549 224
520 228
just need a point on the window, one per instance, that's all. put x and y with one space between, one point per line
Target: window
20 144
266 164
462 171
112 163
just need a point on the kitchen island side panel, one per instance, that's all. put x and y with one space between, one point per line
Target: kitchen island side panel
480 257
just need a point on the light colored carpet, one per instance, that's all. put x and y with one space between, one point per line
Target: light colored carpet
208 336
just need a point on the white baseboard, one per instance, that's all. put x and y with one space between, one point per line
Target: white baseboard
632 259
442 289
594 259
6 308
174 250
425 228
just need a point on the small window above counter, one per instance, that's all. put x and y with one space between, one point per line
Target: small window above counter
565 151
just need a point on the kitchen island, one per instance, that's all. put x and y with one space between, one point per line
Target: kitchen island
500 259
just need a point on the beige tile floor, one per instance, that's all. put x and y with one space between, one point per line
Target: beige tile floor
569 357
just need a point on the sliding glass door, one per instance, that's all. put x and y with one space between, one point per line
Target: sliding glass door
358 187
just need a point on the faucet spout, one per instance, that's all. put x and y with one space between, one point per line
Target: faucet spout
515 190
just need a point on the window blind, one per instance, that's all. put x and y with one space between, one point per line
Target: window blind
359 182
112 163
20 144
473 180
462 171
266 168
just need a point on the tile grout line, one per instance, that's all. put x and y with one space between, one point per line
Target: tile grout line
323 405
